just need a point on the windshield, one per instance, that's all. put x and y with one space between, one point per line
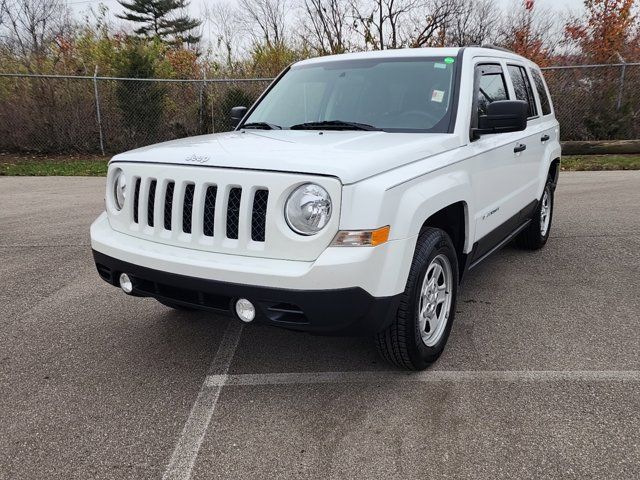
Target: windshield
408 94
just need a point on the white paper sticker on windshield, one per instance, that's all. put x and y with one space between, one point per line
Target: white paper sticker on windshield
440 65
437 96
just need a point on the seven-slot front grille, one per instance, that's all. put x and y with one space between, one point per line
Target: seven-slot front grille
201 201
225 211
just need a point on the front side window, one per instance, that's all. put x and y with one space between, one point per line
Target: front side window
542 92
490 86
408 94
522 87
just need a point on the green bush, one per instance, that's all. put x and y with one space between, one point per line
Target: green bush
141 104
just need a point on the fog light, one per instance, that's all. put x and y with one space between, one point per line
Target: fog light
245 310
125 283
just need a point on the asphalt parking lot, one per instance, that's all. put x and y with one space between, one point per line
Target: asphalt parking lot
540 379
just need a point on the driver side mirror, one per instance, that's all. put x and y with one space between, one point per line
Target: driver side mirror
237 114
503 116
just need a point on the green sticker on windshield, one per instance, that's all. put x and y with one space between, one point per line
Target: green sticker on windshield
449 60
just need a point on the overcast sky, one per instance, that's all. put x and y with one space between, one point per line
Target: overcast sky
80 7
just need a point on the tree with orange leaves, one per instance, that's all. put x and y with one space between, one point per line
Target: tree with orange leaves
606 32
527 32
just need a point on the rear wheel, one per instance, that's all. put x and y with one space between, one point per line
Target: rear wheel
420 330
536 234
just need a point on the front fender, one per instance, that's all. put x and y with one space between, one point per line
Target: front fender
420 200
407 204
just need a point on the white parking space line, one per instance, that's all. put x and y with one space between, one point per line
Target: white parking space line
425 377
186 451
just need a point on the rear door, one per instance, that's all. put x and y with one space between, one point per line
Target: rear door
534 137
548 131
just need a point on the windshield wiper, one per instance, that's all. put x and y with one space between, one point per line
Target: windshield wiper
262 126
333 125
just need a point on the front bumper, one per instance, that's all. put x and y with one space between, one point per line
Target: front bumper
381 271
346 311
346 290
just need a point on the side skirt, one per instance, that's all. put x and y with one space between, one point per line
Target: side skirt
497 239
509 237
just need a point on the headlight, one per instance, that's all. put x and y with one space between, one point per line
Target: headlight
308 209
119 189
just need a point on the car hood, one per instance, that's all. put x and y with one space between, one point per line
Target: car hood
348 155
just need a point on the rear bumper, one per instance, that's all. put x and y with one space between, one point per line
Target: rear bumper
344 311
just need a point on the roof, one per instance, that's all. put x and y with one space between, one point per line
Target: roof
413 53
396 53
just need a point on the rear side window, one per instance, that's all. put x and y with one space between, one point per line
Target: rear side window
522 87
542 92
491 86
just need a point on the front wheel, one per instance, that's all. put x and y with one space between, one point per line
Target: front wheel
419 332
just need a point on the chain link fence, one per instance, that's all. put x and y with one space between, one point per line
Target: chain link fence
596 102
87 115
59 114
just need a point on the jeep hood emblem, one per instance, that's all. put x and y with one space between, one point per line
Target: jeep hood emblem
197 158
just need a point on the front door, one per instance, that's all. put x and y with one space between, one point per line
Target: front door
499 180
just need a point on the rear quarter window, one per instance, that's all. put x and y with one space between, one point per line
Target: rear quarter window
522 88
545 103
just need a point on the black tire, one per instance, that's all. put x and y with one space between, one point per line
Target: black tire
533 237
175 306
401 342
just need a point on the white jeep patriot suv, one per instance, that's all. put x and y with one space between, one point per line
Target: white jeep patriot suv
352 197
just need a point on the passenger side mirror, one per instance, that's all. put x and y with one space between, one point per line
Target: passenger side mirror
237 114
503 116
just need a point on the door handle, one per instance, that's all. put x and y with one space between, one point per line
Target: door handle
544 138
521 147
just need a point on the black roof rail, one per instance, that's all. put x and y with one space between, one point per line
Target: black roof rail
494 47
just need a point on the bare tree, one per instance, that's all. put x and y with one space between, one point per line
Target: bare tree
379 22
363 22
326 26
268 17
475 24
430 22
225 20
402 23
3 7
31 27
397 13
